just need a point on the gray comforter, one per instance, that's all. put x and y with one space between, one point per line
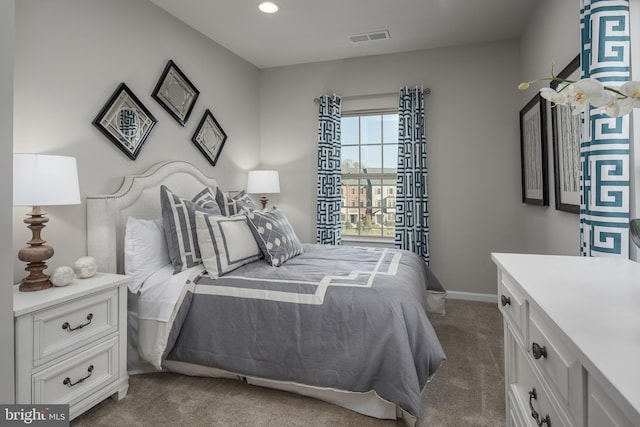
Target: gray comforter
341 317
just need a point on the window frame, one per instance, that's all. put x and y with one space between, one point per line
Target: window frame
376 176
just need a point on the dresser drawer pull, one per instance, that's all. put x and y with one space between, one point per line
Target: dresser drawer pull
534 414
68 327
504 300
67 381
538 351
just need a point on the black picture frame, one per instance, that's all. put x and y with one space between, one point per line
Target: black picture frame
209 137
175 93
533 152
566 146
125 121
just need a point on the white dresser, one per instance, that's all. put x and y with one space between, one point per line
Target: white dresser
71 343
571 340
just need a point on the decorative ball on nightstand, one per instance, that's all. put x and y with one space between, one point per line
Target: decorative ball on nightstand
62 276
85 267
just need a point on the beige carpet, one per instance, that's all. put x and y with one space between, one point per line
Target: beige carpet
468 390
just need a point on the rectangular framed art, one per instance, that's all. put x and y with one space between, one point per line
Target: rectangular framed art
533 152
175 93
125 121
566 146
209 137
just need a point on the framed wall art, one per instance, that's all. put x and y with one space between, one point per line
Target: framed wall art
209 137
125 121
566 146
175 93
533 152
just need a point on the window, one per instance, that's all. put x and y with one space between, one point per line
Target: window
369 166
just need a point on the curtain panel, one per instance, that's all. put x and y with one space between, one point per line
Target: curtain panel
412 213
329 173
604 140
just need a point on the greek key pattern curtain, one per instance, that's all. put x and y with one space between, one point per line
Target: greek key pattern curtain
329 178
604 140
412 213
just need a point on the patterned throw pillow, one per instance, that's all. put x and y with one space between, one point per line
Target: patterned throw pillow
178 216
225 242
236 204
275 236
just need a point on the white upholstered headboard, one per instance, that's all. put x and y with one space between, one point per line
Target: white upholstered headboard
138 196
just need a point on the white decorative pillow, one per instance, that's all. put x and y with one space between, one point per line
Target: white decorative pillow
275 236
145 250
226 243
178 214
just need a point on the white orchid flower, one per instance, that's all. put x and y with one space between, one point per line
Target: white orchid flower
553 96
585 92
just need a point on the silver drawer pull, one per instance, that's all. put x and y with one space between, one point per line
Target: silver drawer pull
504 300
67 381
534 414
538 351
68 327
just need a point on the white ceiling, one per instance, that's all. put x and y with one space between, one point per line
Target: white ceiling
318 30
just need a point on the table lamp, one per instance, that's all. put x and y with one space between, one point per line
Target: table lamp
263 182
41 180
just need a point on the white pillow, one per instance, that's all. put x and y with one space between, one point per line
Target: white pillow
145 250
226 243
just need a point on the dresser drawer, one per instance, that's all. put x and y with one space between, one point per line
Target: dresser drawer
78 376
530 397
557 363
66 327
513 305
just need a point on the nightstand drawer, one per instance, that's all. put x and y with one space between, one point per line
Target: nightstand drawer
78 376
69 326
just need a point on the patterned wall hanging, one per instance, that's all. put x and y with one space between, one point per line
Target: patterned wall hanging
604 140
329 173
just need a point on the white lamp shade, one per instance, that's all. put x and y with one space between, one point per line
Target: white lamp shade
45 180
263 182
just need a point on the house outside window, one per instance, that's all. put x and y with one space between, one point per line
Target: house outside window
369 156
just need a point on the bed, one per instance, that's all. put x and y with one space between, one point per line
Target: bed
347 325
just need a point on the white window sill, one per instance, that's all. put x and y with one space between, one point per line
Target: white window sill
368 241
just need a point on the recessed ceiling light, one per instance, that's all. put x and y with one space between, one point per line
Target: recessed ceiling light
268 7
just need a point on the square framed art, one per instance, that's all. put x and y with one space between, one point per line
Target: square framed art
125 121
175 93
209 137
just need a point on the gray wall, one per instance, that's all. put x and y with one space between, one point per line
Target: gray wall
473 146
70 57
6 254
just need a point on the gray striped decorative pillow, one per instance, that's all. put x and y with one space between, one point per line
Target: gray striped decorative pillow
178 216
275 236
226 243
234 205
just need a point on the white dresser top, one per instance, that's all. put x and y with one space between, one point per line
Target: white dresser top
595 302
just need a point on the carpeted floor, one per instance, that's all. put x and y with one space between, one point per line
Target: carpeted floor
468 390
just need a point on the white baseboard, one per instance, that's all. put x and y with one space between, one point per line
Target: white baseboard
470 296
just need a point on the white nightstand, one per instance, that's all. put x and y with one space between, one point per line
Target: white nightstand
71 343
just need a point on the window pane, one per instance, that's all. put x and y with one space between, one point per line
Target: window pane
349 130
390 158
349 162
390 128
371 128
389 203
371 158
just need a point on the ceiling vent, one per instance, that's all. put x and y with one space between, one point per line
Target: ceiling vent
376 35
